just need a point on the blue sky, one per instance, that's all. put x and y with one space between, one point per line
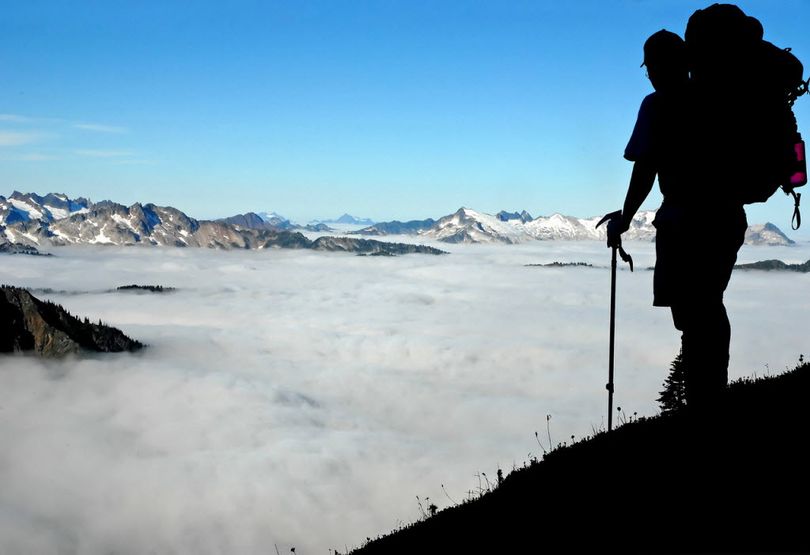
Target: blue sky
387 109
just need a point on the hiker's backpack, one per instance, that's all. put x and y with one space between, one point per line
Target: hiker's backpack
745 88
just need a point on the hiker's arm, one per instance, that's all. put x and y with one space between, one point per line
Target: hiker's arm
641 183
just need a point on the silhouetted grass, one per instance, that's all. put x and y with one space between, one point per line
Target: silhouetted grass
733 480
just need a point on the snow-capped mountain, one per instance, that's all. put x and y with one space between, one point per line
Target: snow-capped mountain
470 226
19 207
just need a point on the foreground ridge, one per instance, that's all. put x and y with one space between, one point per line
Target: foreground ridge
47 329
734 480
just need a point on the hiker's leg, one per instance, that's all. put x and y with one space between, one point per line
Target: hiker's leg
702 316
705 340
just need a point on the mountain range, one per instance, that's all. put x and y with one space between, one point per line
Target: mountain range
470 226
54 219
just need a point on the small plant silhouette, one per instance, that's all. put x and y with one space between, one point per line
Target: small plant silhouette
673 397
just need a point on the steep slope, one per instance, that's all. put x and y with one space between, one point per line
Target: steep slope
734 481
29 324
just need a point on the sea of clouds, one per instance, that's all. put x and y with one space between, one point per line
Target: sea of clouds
304 399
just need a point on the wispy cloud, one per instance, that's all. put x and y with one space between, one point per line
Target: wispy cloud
16 138
103 153
100 128
29 157
135 162
15 118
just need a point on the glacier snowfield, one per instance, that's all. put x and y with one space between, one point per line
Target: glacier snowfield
304 399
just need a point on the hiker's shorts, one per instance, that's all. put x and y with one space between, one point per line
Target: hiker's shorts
695 252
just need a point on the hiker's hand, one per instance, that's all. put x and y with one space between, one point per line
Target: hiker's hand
615 228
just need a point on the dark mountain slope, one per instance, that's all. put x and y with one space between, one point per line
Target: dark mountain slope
734 481
29 324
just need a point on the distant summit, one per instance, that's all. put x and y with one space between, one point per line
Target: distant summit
272 217
766 234
271 221
251 220
348 219
47 329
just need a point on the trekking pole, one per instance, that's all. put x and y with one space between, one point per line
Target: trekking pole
627 258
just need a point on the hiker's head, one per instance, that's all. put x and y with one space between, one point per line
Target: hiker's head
665 58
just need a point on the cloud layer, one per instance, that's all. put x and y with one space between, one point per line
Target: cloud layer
304 399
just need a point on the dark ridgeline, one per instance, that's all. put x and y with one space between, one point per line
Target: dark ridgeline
396 227
47 329
775 265
369 247
737 481
146 288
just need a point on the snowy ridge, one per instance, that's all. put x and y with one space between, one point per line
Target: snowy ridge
55 219
470 226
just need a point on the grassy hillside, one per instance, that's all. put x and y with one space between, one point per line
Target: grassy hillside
734 481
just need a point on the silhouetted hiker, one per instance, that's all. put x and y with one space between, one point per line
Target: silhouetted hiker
691 274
